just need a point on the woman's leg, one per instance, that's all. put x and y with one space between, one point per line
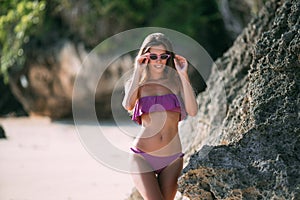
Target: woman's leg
145 180
168 179
147 184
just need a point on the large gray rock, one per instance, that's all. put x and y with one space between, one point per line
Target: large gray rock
45 85
2 133
251 149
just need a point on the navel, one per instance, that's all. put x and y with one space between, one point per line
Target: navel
161 137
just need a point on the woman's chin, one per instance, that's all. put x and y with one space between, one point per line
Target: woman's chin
159 67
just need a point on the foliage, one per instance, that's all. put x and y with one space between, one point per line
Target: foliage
101 18
92 21
18 22
199 19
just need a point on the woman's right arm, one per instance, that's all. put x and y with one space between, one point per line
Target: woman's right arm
131 91
132 86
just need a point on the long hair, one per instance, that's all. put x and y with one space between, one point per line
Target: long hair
156 39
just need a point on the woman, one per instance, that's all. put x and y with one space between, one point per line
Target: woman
160 95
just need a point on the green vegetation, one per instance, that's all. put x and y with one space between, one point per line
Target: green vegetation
25 23
18 22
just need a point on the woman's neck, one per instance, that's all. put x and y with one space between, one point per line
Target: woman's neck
156 77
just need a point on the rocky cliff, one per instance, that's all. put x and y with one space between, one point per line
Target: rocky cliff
247 135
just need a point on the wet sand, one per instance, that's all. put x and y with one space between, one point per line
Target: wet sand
46 160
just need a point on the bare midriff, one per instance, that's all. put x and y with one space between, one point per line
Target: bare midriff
159 134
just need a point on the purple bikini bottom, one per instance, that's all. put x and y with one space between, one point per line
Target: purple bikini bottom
158 163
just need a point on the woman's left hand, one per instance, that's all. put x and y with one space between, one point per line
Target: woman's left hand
181 64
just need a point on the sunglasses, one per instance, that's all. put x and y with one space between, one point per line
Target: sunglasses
154 56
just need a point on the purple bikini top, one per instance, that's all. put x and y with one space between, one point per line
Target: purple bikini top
148 104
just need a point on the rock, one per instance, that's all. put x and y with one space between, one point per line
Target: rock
237 14
135 195
246 142
45 85
2 133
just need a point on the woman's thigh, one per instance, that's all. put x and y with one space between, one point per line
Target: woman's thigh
147 185
168 179
144 179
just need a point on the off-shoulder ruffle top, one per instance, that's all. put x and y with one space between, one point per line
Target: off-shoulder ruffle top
167 102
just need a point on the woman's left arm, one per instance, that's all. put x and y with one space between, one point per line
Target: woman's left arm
188 95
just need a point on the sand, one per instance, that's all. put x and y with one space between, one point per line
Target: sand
46 160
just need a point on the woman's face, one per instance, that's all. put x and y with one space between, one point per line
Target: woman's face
158 52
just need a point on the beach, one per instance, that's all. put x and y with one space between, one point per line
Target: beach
42 159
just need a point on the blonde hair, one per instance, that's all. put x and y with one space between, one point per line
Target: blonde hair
156 39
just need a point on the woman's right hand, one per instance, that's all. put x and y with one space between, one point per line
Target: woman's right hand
141 62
